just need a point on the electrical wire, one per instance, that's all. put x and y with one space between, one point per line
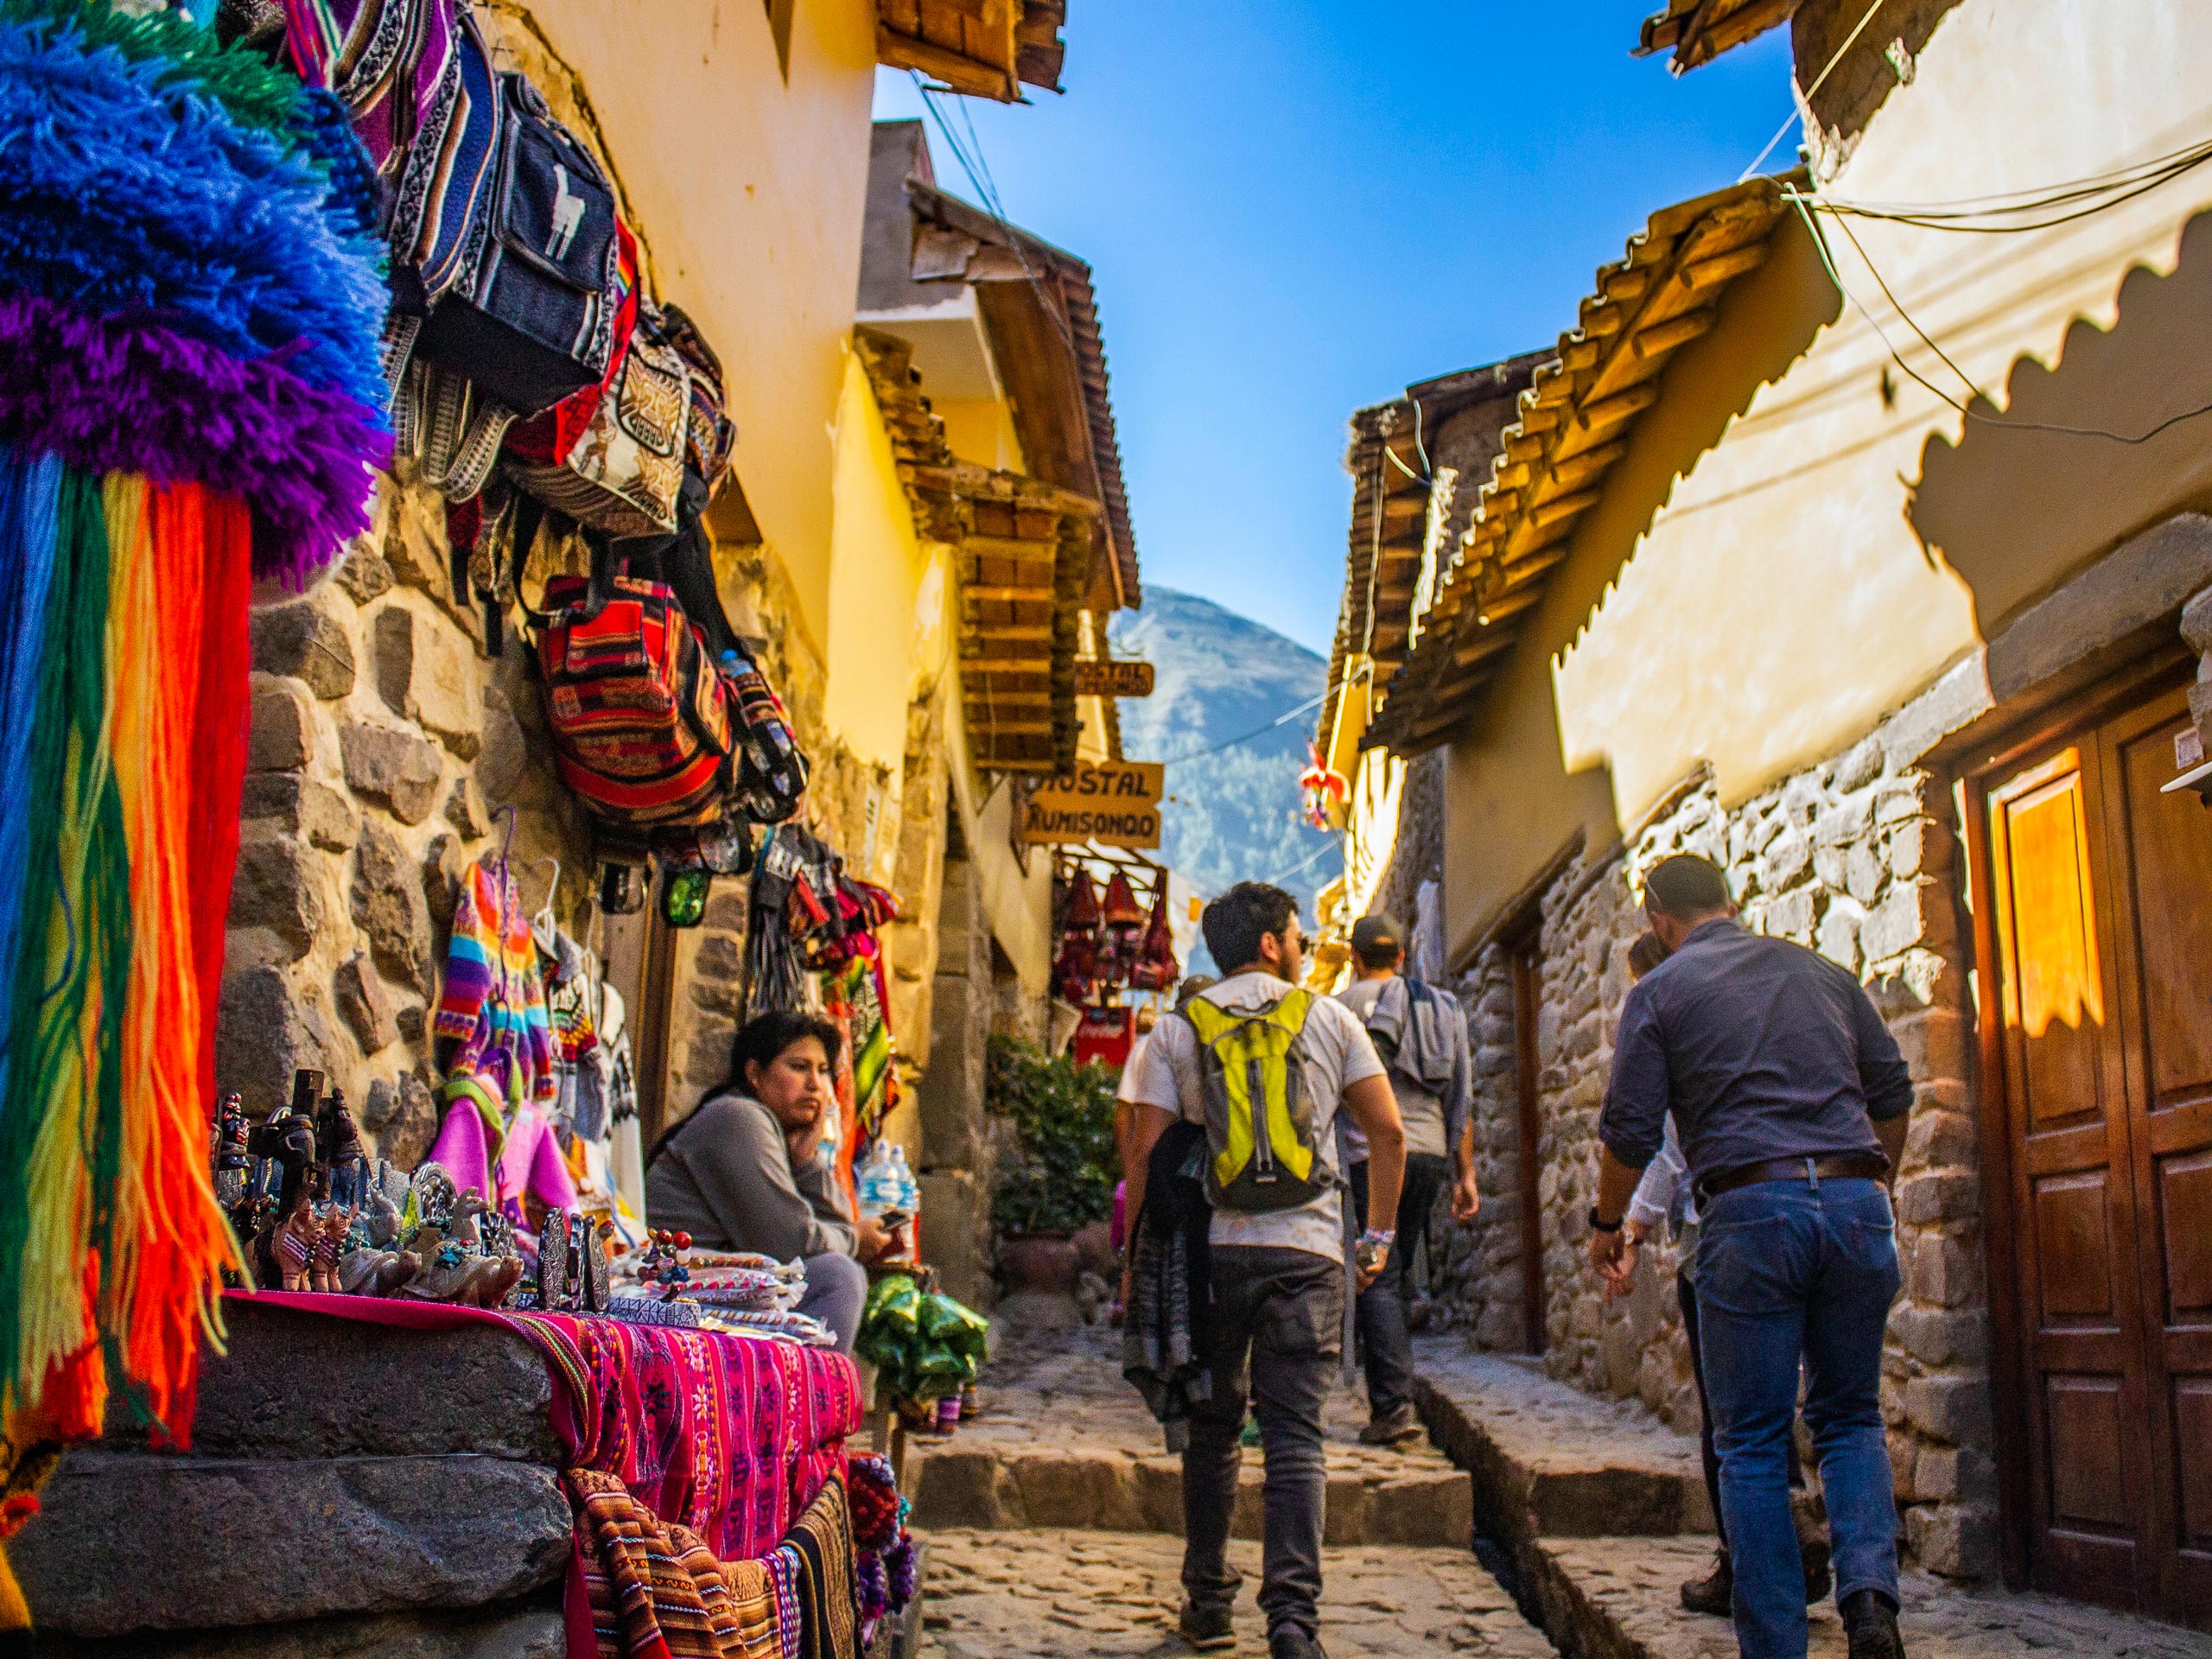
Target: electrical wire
2100 191
1334 844
978 172
1279 721
1804 204
1798 114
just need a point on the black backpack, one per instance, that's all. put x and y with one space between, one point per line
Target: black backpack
531 318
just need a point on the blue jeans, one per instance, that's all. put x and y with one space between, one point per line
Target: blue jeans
1789 1269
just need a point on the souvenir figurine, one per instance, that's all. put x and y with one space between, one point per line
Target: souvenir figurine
463 1228
291 1246
233 1164
598 1292
434 1195
553 1284
332 1222
338 1139
370 1272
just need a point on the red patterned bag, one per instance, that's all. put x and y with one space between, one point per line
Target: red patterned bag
641 725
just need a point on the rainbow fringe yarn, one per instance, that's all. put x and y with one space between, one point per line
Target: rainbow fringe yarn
191 295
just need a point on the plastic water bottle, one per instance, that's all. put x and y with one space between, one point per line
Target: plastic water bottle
910 1190
877 1184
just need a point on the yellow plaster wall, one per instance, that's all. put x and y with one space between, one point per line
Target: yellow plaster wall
1799 538
981 432
877 568
749 187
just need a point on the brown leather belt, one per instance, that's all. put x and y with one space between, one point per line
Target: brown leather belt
1840 1167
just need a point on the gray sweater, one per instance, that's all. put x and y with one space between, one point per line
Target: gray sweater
725 1177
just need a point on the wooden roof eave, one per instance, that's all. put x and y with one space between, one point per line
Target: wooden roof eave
983 49
1698 31
1572 427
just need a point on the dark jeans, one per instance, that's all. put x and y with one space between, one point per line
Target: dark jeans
1386 1343
1788 1270
1685 1293
1275 1335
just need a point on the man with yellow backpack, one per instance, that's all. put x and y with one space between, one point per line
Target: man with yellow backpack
1259 1067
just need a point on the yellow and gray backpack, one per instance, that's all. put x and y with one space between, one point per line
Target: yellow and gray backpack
1260 1125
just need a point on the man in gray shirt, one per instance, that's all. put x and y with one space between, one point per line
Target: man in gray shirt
1400 1018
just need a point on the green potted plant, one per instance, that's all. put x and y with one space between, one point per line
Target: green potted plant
1058 1176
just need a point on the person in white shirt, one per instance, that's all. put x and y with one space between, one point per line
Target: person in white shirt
1277 1270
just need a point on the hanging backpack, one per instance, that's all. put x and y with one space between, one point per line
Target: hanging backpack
515 273
1260 1124
641 727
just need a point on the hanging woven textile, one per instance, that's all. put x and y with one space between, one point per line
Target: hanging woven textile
190 303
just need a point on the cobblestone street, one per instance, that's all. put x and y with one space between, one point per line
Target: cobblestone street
1051 1526
1060 1594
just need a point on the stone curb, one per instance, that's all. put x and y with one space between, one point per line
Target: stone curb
1105 1490
1532 1481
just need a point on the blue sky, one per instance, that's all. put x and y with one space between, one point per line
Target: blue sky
1295 208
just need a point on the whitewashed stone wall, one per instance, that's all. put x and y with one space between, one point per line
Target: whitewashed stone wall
1855 858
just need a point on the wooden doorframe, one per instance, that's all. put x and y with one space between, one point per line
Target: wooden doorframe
1976 772
1524 951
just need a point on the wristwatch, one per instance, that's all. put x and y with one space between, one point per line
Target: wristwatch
1373 1249
1598 1225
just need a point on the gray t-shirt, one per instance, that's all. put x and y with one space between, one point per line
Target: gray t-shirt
1423 1113
725 1177
1338 1054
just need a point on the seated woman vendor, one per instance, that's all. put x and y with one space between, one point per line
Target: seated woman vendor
745 1171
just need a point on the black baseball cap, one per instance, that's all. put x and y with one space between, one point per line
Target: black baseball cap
1372 933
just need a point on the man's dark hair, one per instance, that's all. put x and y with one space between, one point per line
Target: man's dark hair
1645 953
1235 923
767 1035
1685 886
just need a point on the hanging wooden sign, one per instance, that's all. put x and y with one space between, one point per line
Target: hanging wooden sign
1113 802
1112 678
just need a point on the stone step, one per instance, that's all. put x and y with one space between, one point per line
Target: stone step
1549 1461
1617 1598
1109 1489
243 1541
1065 1442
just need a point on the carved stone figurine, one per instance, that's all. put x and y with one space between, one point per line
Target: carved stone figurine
453 1268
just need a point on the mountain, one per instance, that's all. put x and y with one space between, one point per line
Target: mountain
1232 815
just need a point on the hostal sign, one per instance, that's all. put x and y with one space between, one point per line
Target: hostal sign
1113 802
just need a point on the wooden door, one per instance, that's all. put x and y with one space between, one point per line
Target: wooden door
2100 888
2161 861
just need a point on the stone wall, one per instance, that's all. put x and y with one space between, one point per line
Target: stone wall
1855 858
384 739
1476 1270
958 1153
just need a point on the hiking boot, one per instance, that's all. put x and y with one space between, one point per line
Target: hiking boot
1870 1625
1293 1644
1206 1629
1393 1428
1714 1593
